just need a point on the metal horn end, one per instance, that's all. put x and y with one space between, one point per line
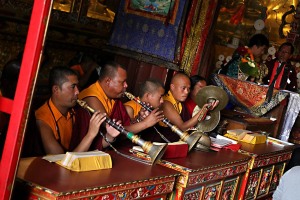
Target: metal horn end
156 152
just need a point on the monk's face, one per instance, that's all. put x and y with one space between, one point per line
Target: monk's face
66 94
155 99
118 84
180 88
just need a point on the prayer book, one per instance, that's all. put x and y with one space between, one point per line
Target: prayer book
84 161
236 134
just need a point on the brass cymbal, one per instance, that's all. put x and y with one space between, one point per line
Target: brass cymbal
210 122
211 92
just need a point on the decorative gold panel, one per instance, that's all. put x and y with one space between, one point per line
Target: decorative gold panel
236 19
63 5
98 10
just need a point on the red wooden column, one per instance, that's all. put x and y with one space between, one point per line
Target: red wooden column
20 105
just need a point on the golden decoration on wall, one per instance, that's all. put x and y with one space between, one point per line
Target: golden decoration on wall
236 19
63 5
98 10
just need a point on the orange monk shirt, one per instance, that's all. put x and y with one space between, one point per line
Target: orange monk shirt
135 106
65 124
177 105
95 90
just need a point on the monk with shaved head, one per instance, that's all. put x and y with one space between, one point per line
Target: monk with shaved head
173 106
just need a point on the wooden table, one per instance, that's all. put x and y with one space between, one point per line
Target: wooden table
127 179
267 166
206 175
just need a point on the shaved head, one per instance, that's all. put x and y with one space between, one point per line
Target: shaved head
180 87
179 77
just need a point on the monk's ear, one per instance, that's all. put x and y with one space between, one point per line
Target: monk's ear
147 94
172 86
55 88
107 80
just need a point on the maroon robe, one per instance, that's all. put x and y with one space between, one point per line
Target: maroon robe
81 126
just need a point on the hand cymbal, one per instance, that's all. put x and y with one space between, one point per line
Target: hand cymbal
210 93
210 122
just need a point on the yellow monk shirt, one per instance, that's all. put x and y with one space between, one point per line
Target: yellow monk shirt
135 106
177 105
50 115
95 90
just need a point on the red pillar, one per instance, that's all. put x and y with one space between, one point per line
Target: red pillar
21 103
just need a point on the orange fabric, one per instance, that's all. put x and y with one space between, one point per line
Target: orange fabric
95 90
177 105
135 106
65 124
78 69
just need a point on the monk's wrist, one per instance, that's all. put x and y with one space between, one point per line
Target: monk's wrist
110 139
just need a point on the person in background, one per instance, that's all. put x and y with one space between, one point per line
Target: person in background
285 76
56 118
151 93
244 58
289 185
86 67
104 95
197 83
8 85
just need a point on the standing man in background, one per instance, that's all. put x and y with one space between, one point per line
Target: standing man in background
281 73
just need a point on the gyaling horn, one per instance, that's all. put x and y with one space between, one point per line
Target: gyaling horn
190 139
154 151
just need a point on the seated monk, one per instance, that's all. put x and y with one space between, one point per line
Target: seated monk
151 93
57 118
104 95
175 110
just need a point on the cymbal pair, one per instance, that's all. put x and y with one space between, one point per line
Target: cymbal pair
205 96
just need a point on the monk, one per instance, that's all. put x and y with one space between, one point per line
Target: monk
57 117
151 93
104 95
175 110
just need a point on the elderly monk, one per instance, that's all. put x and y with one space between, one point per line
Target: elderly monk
105 93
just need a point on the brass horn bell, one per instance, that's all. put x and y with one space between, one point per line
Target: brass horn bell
209 93
203 143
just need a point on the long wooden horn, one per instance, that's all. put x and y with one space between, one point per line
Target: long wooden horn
154 151
190 139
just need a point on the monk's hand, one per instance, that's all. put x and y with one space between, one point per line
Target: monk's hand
96 120
143 114
155 116
111 131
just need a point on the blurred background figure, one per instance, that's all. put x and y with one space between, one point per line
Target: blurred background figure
87 68
8 85
197 82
